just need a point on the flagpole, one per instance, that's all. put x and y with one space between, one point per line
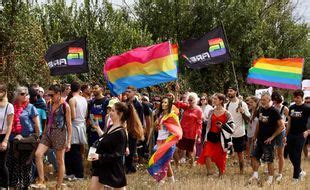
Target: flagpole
233 66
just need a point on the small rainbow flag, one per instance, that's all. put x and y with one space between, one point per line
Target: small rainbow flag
281 73
142 67
158 163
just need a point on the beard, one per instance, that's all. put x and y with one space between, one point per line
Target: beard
230 95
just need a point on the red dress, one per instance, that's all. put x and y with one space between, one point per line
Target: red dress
214 150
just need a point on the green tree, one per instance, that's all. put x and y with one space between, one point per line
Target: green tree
254 28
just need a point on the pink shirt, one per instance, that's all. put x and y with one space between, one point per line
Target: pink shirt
191 121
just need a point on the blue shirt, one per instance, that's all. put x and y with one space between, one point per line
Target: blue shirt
26 120
42 116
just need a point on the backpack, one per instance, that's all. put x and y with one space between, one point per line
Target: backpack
246 120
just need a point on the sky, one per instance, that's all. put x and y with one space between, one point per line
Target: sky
302 10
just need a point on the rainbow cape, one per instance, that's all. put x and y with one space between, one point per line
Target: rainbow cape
281 73
158 163
142 67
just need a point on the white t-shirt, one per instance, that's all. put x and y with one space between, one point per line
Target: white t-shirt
163 133
237 117
10 110
252 127
206 110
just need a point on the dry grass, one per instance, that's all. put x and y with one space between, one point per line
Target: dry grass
196 178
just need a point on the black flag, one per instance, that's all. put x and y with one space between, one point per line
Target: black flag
212 48
67 58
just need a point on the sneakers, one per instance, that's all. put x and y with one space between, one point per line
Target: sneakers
270 180
171 179
68 176
38 184
295 181
253 179
302 175
182 161
279 178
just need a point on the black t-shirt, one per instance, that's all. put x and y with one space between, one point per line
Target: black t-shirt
299 118
268 122
146 109
98 107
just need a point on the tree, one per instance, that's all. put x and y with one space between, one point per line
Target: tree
254 28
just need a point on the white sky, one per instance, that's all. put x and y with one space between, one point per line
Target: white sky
302 10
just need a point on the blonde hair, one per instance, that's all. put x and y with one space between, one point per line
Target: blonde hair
19 90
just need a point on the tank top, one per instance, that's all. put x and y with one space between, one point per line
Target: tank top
80 111
221 118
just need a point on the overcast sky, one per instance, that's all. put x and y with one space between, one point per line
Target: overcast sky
302 10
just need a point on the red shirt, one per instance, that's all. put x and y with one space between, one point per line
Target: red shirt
191 121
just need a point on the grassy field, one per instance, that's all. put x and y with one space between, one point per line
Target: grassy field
196 178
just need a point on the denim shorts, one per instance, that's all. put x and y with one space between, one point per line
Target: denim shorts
264 151
279 139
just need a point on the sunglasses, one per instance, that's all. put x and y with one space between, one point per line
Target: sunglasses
51 95
202 99
190 100
23 94
128 91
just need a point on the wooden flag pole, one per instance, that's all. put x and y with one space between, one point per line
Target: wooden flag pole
232 64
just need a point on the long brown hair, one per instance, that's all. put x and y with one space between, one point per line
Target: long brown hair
254 110
134 125
5 98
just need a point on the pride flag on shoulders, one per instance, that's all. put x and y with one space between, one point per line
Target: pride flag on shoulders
158 163
281 73
141 67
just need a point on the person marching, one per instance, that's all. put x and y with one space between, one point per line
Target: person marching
218 138
169 133
270 125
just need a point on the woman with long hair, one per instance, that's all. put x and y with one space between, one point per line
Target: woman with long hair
215 147
253 108
57 135
110 152
169 133
25 124
6 119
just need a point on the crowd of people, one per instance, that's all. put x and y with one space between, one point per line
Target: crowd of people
61 124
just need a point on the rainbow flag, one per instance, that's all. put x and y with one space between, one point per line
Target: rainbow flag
158 163
281 73
142 67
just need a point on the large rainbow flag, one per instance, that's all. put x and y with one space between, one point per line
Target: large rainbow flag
142 67
158 163
281 73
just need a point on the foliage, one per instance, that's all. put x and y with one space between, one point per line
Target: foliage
254 28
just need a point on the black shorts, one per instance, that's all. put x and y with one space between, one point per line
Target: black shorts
264 151
239 144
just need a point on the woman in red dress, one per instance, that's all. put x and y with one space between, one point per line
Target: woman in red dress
213 150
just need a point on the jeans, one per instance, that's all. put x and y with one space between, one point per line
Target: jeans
74 161
4 172
295 144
